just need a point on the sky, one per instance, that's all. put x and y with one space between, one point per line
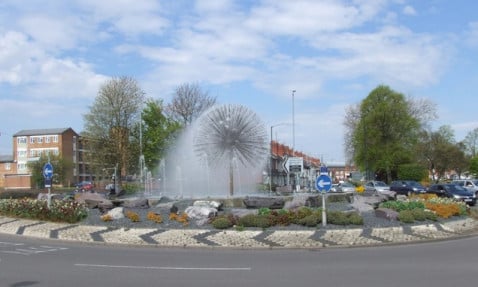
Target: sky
55 55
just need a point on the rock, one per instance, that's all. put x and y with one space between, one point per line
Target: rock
240 212
268 202
135 203
173 209
93 200
116 213
386 213
200 214
208 203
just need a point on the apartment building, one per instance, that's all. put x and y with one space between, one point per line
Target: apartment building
28 146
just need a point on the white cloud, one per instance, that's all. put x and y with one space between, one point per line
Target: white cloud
409 10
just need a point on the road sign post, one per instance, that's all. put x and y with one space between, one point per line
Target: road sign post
47 175
323 184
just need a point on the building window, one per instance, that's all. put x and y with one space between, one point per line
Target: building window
21 166
7 166
55 138
40 139
32 140
32 153
47 139
22 140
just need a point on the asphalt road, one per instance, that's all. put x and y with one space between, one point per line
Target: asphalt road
49 263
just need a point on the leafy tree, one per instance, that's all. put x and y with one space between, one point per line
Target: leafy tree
412 172
109 125
158 133
474 166
60 169
440 153
188 102
384 133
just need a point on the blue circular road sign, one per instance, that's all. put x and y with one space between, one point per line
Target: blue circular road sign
47 170
323 183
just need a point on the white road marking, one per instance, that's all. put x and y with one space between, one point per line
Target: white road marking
166 267
27 250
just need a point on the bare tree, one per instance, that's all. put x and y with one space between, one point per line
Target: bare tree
471 142
109 123
188 103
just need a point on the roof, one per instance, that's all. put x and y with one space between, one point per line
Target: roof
6 158
56 131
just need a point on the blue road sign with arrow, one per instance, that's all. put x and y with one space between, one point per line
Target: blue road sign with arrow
323 183
47 170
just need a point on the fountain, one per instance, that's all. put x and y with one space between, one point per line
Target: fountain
223 153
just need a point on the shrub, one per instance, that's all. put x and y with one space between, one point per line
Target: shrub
337 217
402 205
155 217
255 220
310 220
133 216
264 211
303 211
221 223
406 216
355 218
59 211
106 217
419 214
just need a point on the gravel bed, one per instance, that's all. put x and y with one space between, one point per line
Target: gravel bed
94 218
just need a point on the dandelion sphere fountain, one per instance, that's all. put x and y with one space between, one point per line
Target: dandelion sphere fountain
224 149
229 134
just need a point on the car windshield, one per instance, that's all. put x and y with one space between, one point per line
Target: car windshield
346 184
453 187
380 183
475 182
414 184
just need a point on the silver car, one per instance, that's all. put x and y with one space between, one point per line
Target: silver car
345 187
377 187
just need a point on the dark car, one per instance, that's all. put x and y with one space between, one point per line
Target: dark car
453 191
407 187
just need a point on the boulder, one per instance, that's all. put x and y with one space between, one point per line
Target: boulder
116 213
268 202
200 214
208 203
135 203
386 213
93 200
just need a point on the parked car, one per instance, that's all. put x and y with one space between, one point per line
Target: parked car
85 186
378 187
407 187
469 184
345 187
453 191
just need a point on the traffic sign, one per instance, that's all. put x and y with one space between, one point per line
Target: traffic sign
47 170
323 170
323 183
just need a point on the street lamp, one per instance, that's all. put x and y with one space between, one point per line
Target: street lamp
270 165
293 123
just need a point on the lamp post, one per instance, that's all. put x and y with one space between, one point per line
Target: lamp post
271 156
293 122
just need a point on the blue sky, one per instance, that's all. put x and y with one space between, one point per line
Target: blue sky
55 54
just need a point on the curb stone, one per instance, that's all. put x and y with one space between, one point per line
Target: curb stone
320 238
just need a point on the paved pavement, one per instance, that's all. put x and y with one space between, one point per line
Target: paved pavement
269 239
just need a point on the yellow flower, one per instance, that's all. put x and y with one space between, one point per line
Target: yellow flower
360 189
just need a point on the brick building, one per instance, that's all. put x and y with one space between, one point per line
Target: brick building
28 146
